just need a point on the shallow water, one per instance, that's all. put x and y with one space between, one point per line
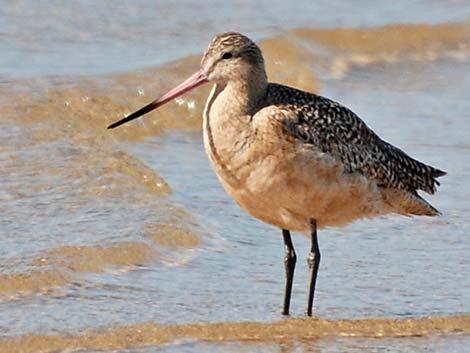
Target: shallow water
49 39
125 241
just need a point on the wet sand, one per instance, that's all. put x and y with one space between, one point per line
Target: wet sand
290 330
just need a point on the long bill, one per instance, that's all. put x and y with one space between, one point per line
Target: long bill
197 79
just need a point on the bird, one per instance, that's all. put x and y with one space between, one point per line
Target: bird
294 159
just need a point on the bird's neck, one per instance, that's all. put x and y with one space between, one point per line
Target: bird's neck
242 97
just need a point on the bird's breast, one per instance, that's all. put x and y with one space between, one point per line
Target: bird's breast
230 151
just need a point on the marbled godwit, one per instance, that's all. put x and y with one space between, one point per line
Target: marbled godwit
294 159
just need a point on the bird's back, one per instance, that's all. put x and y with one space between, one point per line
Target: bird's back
335 130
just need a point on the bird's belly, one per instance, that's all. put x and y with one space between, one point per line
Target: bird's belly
288 188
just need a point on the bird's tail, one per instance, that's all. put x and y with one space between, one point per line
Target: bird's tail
408 203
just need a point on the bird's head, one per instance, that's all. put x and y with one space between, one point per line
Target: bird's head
232 56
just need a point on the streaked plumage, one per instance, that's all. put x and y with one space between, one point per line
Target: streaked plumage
334 129
294 159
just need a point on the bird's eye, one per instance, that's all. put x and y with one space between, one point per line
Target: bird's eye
227 55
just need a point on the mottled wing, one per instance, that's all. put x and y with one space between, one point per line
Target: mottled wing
336 130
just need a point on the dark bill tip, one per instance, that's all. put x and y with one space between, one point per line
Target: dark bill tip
135 115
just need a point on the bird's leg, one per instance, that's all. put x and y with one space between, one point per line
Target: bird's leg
313 261
289 263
